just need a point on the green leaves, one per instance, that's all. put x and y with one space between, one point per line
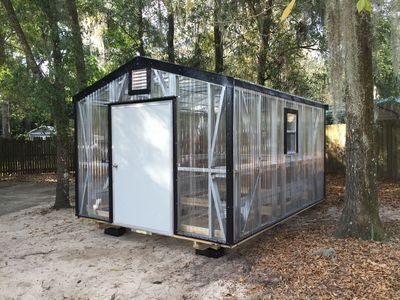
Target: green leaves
288 10
364 5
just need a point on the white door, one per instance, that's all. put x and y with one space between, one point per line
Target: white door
142 158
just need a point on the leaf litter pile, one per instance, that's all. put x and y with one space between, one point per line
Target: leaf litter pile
303 259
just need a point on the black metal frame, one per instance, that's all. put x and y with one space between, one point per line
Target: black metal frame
110 167
229 165
229 83
229 171
326 108
287 111
77 172
147 90
76 163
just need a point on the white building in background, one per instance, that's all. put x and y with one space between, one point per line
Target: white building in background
42 133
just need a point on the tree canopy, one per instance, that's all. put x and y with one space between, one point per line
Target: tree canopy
49 50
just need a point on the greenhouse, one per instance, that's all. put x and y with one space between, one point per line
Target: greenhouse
167 149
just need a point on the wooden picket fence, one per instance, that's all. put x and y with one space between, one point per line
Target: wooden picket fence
387 147
19 157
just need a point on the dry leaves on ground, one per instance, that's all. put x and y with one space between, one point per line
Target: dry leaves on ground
287 263
43 177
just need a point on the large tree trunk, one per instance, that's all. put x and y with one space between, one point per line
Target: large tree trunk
5 111
218 40
360 216
171 32
59 108
62 188
77 44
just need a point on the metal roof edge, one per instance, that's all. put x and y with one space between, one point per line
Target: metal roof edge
263 89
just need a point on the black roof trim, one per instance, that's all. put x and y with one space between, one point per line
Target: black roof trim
215 78
145 62
262 89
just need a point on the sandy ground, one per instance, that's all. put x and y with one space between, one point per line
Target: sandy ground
48 254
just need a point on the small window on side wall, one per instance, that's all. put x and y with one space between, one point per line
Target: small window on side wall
139 81
291 124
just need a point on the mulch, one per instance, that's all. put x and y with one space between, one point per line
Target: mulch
304 260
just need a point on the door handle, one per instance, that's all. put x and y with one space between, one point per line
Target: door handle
115 166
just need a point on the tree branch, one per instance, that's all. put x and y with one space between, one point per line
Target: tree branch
12 17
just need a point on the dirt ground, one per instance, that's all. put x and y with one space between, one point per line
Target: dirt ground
21 192
50 254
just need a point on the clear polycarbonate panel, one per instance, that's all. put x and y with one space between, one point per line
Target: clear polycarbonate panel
201 159
269 185
201 150
92 144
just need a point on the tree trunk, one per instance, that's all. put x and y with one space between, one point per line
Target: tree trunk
5 119
360 216
195 61
218 41
12 17
2 45
262 11
5 111
171 33
62 189
140 28
77 44
59 108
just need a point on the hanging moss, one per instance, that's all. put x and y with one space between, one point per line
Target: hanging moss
395 36
335 57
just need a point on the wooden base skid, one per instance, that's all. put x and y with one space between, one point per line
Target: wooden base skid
202 246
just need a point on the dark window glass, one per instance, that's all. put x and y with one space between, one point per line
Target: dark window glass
291 124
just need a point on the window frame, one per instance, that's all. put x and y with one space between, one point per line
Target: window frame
285 133
146 90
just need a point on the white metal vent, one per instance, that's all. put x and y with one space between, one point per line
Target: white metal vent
139 80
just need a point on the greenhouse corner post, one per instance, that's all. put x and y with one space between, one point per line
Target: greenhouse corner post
76 163
229 163
325 109
110 166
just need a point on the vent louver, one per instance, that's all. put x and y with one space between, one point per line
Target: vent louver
139 80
